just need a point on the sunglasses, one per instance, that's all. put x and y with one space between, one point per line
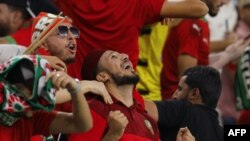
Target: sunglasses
64 30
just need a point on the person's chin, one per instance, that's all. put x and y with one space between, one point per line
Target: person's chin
69 60
213 13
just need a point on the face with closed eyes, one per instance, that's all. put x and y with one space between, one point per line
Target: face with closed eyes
118 67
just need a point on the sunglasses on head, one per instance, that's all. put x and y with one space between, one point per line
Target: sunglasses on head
64 30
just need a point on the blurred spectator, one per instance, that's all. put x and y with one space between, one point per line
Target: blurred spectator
16 19
151 42
193 106
243 30
222 28
224 22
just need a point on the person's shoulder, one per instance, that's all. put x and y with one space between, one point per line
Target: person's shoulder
171 101
97 105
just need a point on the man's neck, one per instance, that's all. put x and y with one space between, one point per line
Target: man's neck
122 93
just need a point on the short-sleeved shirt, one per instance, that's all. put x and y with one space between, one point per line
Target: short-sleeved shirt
25 128
190 37
201 120
141 126
109 24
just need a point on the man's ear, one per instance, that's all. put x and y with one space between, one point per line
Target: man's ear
44 46
17 18
102 77
195 96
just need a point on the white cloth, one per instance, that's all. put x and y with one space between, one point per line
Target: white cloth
10 50
225 21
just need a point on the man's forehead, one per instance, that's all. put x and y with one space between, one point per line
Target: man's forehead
109 53
183 79
106 55
66 24
103 57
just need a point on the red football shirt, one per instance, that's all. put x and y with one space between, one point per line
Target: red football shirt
109 24
24 128
141 126
189 37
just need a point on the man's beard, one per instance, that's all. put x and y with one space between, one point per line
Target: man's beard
125 80
4 29
212 13
212 9
69 60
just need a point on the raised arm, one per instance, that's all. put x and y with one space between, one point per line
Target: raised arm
231 53
184 9
94 87
80 119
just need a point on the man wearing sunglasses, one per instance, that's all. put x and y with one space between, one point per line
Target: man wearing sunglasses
61 43
25 108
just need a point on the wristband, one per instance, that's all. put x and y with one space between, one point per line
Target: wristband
77 89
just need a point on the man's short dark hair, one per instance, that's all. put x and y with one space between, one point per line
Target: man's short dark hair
25 14
35 6
17 5
207 80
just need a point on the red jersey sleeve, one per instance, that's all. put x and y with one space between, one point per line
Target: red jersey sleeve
148 10
188 37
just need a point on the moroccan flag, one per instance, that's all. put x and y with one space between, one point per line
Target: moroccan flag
242 81
23 86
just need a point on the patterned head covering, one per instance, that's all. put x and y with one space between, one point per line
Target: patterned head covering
13 100
41 22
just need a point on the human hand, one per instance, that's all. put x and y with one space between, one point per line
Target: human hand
117 122
166 21
97 88
231 37
61 79
56 63
235 50
184 135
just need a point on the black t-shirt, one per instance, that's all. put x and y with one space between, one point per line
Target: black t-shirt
201 120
